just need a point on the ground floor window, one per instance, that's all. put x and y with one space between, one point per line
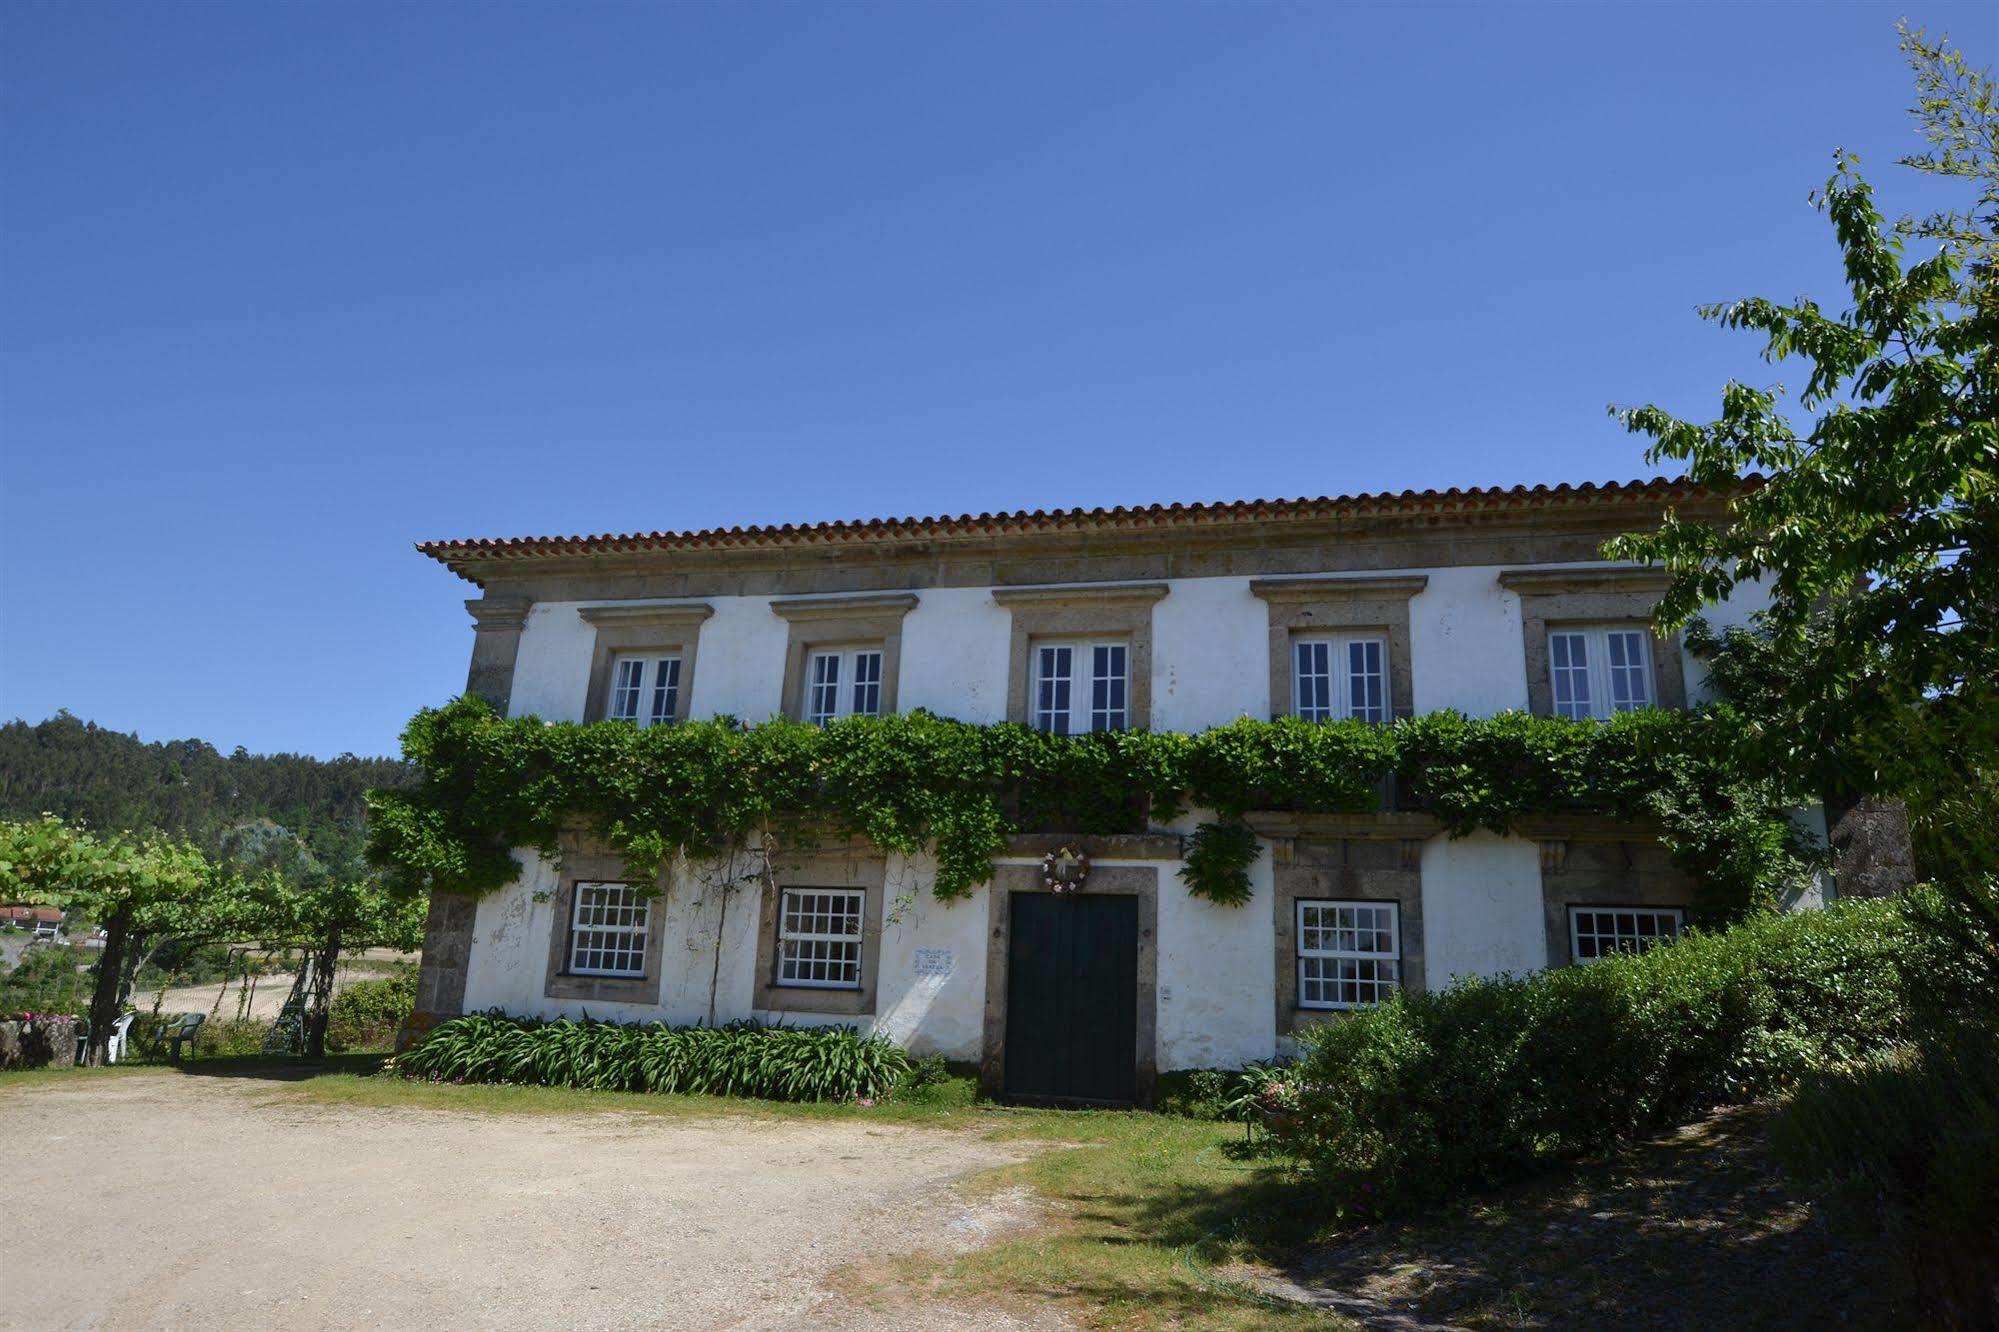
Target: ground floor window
1596 932
607 930
819 938
1349 953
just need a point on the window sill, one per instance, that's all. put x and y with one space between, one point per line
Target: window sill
775 998
604 989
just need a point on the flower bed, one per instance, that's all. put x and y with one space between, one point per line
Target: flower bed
741 1059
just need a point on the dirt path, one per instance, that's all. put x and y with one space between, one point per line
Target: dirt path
191 1201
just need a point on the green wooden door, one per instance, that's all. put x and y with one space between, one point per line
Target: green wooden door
1072 999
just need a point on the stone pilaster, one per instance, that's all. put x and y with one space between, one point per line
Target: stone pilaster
447 936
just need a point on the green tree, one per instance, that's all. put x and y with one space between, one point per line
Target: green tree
323 919
1875 527
125 884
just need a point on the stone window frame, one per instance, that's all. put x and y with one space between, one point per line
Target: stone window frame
857 866
818 623
581 865
1593 598
1140 881
628 630
1094 613
1620 865
1312 860
1306 607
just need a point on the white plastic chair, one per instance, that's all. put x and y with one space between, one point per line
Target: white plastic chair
116 1049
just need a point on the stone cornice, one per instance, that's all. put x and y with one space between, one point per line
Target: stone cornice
1081 594
1339 588
843 608
498 613
1111 846
1568 582
681 616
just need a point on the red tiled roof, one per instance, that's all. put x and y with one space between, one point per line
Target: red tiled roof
1454 500
41 914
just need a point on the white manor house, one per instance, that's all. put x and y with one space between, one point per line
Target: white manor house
1175 617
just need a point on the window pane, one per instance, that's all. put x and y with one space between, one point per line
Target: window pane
1596 933
1630 670
665 691
819 937
608 930
1365 696
867 684
822 698
626 684
1314 681
1348 954
1054 672
1107 687
1568 671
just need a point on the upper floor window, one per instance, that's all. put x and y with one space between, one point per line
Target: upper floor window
1081 687
1349 953
645 690
607 930
1596 932
1340 676
1598 671
843 683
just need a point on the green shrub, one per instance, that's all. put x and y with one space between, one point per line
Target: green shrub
1432 1094
1906 1148
365 1015
741 1059
1219 1093
49 978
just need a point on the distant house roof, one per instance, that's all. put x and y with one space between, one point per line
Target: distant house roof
30 915
1027 521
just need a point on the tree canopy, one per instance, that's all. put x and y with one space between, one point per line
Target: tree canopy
1875 528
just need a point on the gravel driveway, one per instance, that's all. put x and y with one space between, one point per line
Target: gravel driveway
162 1199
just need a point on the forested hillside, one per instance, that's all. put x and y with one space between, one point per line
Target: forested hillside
228 804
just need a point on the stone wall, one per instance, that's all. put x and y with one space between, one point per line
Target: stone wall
40 1043
1871 854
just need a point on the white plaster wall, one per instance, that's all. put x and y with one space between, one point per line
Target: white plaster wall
1482 908
1217 983
739 666
1210 655
1465 646
932 1013
552 668
955 645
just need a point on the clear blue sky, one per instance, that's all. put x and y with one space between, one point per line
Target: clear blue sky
284 288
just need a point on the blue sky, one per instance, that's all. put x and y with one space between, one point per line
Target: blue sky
285 288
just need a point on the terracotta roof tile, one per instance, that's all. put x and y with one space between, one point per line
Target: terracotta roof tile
1475 498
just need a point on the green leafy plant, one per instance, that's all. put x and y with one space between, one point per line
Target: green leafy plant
740 1059
366 1014
1430 1095
915 781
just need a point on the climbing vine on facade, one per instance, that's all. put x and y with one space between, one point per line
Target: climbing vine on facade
915 781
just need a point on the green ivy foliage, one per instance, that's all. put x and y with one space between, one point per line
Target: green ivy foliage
915 780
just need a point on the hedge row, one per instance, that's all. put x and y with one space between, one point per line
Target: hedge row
741 1059
1434 1094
